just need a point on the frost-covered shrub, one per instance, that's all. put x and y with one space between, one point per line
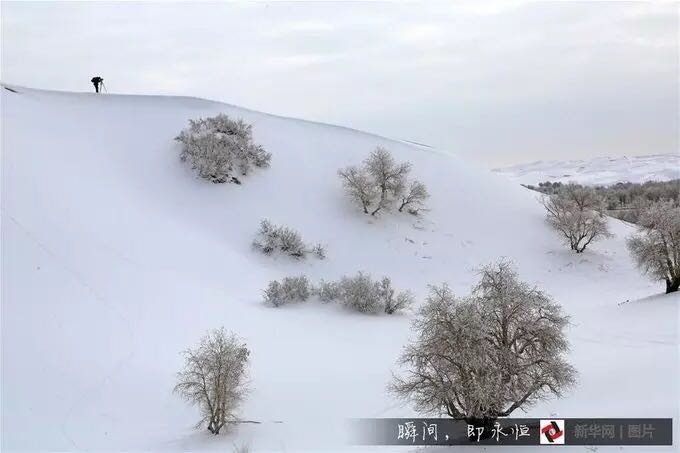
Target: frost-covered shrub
267 240
290 289
327 291
219 148
273 238
360 293
290 242
319 251
364 295
398 302
273 295
383 182
297 288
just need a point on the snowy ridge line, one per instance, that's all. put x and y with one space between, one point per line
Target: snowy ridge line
16 88
411 142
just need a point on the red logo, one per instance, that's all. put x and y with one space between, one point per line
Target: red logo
552 432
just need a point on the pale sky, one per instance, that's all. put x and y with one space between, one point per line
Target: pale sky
499 82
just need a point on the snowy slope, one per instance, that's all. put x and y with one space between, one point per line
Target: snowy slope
600 170
116 257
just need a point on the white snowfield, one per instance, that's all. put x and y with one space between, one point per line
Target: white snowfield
598 171
116 257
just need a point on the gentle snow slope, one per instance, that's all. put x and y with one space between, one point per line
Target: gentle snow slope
116 257
600 170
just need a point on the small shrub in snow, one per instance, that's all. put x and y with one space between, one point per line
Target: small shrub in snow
267 240
364 295
319 251
272 238
297 288
220 148
360 293
327 291
395 303
290 289
382 182
290 242
273 294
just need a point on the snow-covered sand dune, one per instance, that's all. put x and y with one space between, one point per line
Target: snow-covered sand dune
116 258
600 170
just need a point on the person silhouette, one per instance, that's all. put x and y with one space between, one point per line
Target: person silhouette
97 82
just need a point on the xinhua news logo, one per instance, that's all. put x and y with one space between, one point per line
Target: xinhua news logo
552 432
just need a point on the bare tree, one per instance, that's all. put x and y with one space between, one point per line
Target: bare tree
585 198
214 378
388 176
382 182
484 356
577 215
656 247
414 197
359 186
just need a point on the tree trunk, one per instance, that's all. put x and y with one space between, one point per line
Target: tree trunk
672 285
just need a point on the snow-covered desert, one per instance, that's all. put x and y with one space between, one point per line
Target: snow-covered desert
599 170
116 257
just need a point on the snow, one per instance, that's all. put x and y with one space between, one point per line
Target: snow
598 171
116 258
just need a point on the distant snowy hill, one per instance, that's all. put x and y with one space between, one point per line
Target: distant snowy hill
600 170
115 258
